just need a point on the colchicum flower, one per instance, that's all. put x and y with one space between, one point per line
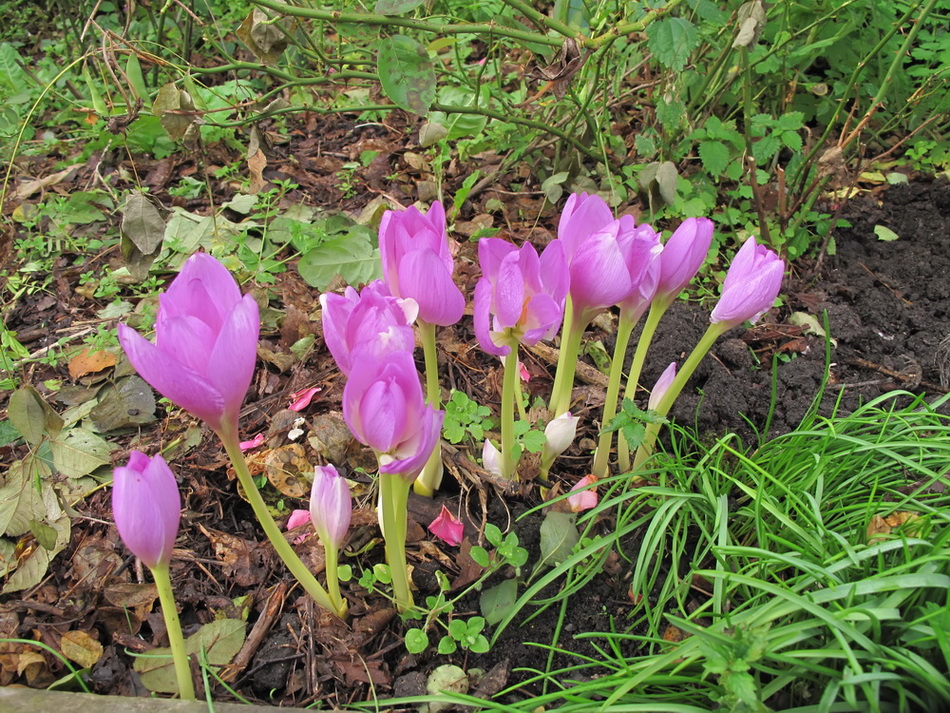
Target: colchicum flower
417 263
491 458
520 297
205 343
146 506
385 409
751 285
682 256
559 433
331 506
372 321
662 384
448 528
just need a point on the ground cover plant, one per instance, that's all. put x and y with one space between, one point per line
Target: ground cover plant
785 550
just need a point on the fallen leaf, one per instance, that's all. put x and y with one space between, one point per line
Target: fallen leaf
78 646
285 468
25 190
881 526
256 163
89 362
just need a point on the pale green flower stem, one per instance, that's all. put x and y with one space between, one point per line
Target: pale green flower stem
657 310
431 476
163 582
283 549
509 390
331 569
624 330
393 499
571 333
715 330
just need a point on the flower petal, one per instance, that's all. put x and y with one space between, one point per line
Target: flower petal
423 277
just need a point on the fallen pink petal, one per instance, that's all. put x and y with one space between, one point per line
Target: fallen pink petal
447 527
299 400
583 496
255 442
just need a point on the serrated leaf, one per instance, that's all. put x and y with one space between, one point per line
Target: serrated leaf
79 452
406 73
885 234
715 156
671 40
790 121
350 256
765 148
792 140
396 7
32 416
220 640
558 536
142 224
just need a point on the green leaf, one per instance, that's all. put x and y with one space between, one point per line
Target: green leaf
447 645
406 73
558 536
496 603
765 148
417 641
11 74
79 452
792 140
142 223
671 40
220 640
792 121
396 7
885 234
715 156
479 555
350 256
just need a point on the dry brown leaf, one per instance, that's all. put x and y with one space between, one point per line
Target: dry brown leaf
256 163
90 362
880 526
25 190
286 468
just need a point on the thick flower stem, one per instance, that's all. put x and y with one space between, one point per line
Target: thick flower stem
163 582
509 461
716 330
657 310
331 568
624 330
281 546
393 499
571 335
431 476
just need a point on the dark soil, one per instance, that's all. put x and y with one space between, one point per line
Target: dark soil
887 306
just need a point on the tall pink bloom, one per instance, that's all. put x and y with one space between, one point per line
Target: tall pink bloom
417 262
520 297
205 343
683 255
608 259
385 409
751 285
146 506
371 320
331 505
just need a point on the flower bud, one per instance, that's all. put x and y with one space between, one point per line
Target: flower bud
662 384
146 506
331 506
559 433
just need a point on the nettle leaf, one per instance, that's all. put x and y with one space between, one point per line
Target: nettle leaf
715 156
792 140
406 73
671 40
765 148
396 7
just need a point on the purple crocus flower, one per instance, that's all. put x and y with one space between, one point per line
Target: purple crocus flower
751 285
331 505
146 506
385 409
417 262
683 255
520 295
205 343
371 320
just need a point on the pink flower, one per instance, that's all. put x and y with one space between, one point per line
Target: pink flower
662 384
683 255
385 409
299 400
331 506
417 262
205 343
751 285
146 506
583 496
608 259
491 458
372 320
520 298
448 527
